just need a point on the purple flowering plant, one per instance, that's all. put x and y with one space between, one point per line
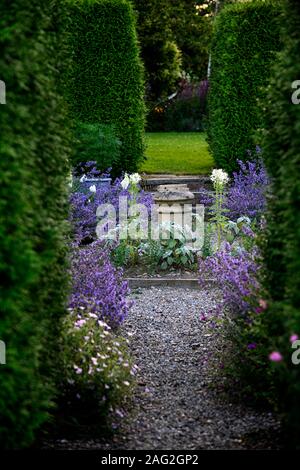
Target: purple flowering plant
247 193
236 272
96 372
97 285
84 203
242 312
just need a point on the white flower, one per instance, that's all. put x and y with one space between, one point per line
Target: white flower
135 178
93 315
93 189
125 182
219 177
82 179
70 180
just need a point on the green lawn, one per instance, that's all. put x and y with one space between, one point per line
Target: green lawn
180 153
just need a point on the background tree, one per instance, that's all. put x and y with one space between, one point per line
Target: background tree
175 36
191 24
158 47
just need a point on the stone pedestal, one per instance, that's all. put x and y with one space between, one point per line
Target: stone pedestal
175 206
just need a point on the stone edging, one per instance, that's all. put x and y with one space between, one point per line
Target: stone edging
187 283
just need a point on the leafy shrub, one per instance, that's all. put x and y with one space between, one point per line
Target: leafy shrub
97 143
176 253
281 248
125 253
241 59
96 371
97 285
34 149
170 251
105 81
183 113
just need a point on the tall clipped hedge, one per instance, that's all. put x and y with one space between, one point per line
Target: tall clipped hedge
105 82
246 36
34 148
282 250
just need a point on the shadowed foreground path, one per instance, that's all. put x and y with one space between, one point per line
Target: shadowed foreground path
174 406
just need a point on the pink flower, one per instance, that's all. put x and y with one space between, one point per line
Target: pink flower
293 338
275 356
263 304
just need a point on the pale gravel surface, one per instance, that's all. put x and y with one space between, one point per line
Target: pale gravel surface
174 406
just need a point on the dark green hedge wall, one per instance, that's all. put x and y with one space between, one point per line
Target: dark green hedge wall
34 148
106 78
282 249
241 57
96 142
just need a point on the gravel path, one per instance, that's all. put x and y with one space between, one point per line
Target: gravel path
174 406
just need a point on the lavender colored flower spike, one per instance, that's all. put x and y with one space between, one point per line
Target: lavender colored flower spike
236 275
247 194
97 285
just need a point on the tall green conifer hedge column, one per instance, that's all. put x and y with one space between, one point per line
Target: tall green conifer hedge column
106 78
34 149
246 37
281 151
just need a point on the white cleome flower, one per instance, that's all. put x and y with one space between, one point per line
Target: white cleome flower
135 178
219 177
82 179
125 182
93 189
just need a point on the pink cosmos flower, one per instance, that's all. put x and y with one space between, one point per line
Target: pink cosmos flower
275 356
293 338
